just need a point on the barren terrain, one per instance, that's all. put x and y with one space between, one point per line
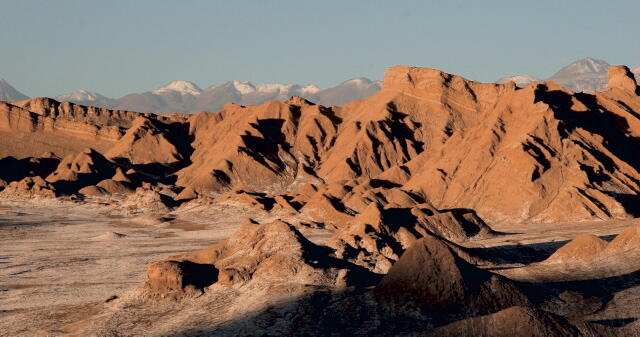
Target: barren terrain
60 260
62 263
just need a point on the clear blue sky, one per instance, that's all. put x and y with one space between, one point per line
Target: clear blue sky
118 47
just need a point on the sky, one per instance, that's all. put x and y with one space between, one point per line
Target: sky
118 47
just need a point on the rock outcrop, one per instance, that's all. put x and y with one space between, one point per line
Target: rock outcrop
147 199
587 257
145 134
515 321
271 256
622 78
174 279
432 279
377 237
584 247
85 168
17 169
267 145
38 125
29 188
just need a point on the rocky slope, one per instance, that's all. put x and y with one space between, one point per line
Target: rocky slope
85 97
444 138
31 127
587 257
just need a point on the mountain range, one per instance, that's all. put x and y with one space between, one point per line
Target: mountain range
185 96
585 75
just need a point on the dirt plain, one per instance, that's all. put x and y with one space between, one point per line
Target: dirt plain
63 262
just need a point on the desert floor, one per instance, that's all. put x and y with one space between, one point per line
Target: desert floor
60 261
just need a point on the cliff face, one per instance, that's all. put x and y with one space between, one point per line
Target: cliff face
521 154
37 125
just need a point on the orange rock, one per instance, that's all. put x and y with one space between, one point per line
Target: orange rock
176 278
29 187
431 278
584 247
265 255
37 125
145 134
513 321
622 78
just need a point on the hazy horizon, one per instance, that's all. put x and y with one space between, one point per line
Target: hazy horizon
125 47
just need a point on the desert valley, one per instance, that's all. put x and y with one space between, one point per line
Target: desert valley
433 206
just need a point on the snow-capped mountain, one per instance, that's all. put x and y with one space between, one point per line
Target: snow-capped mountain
180 87
309 89
586 75
216 96
274 89
519 80
85 97
353 89
243 88
9 93
184 96
586 65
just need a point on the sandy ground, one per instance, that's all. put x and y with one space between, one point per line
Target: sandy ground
527 233
58 258
59 262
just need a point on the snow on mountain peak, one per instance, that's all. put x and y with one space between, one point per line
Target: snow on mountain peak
274 87
80 95
519 80
243 88
182 87
589 65
310 89
358 81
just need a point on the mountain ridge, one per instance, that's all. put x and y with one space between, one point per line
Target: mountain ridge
187 97
584 75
